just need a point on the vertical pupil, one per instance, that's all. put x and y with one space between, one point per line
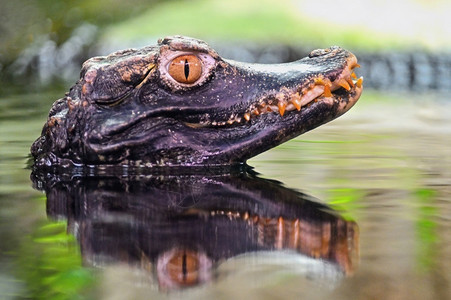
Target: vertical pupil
184 269
186 69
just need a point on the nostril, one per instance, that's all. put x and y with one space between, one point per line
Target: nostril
320 52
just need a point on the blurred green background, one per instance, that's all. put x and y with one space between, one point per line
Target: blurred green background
43 42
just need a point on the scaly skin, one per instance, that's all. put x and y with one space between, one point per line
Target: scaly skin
130 109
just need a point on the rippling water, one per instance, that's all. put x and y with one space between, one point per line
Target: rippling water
361 211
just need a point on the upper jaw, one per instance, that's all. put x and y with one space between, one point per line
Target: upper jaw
335 84
343 85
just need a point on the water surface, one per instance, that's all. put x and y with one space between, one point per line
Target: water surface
382 172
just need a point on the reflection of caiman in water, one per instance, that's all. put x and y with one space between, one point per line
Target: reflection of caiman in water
183 226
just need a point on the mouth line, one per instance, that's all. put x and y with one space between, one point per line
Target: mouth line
319 89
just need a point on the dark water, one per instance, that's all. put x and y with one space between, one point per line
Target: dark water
357 209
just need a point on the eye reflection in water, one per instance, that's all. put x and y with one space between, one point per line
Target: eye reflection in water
180 228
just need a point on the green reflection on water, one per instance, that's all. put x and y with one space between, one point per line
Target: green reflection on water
426 228
50 264
346 200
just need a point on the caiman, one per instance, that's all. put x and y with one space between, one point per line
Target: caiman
180 104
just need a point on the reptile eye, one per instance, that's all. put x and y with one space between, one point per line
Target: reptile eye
185 69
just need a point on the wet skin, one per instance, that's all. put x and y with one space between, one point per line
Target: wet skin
180 104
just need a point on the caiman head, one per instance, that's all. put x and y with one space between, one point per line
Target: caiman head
180 104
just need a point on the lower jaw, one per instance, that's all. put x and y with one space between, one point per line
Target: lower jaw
351 99
318 112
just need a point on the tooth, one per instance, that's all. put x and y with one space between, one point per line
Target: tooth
327 92
296 233
353 75
359 82
282 106
344 84
356 65
349 80
280 233
256 112
255 219
247 116
296 101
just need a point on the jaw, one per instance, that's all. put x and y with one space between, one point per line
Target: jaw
297 98
239 143
283 113
182 144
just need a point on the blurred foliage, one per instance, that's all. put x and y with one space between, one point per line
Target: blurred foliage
24 20
28 24
263 21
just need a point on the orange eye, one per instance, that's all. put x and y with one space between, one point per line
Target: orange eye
185 69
